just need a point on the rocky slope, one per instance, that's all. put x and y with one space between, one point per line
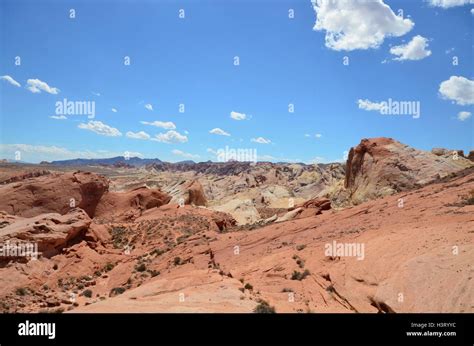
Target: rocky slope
382 166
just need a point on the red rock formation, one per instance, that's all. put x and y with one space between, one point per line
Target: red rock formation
51 232
58 193
121 206
382 166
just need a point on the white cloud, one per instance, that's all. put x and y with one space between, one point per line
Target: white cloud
114 110
36 86
449 3
149 107
100 128
185 155
238 116
307 135
318 135
170 137
464 115
472 11
261 140
369 105
458 89
138 135
10 80
37 153
58 117
416 49
358 24
96 94
167 125
218 131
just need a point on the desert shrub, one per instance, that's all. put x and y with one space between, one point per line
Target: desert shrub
299 276
264 308
87 293
300 247
141 267
109 266
177 261
116 291
248 286
21 291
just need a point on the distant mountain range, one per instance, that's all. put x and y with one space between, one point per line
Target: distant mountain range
118 160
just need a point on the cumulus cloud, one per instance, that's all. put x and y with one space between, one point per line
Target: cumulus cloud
10 80
100 128
358 24
167 125
184 154
261 140
36 86
458 89
416 49
238 116
318 135
369 105
449 3
170 137
149 107
220 132
58 117
138 135
464 115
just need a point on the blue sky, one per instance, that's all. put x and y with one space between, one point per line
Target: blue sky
190 61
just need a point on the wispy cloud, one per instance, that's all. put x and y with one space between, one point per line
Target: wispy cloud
170 137
184 154
167 125
36 86
100 128
138 135
369 105
10 80
149 107
238 116
220 132
261 140
464 115
114 110
58 117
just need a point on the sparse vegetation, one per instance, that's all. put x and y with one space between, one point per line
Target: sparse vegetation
299 276
469 199
285 290
264 308
109 266
87 293
140 267
248 287
300 247
21 291
177 261
116 291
